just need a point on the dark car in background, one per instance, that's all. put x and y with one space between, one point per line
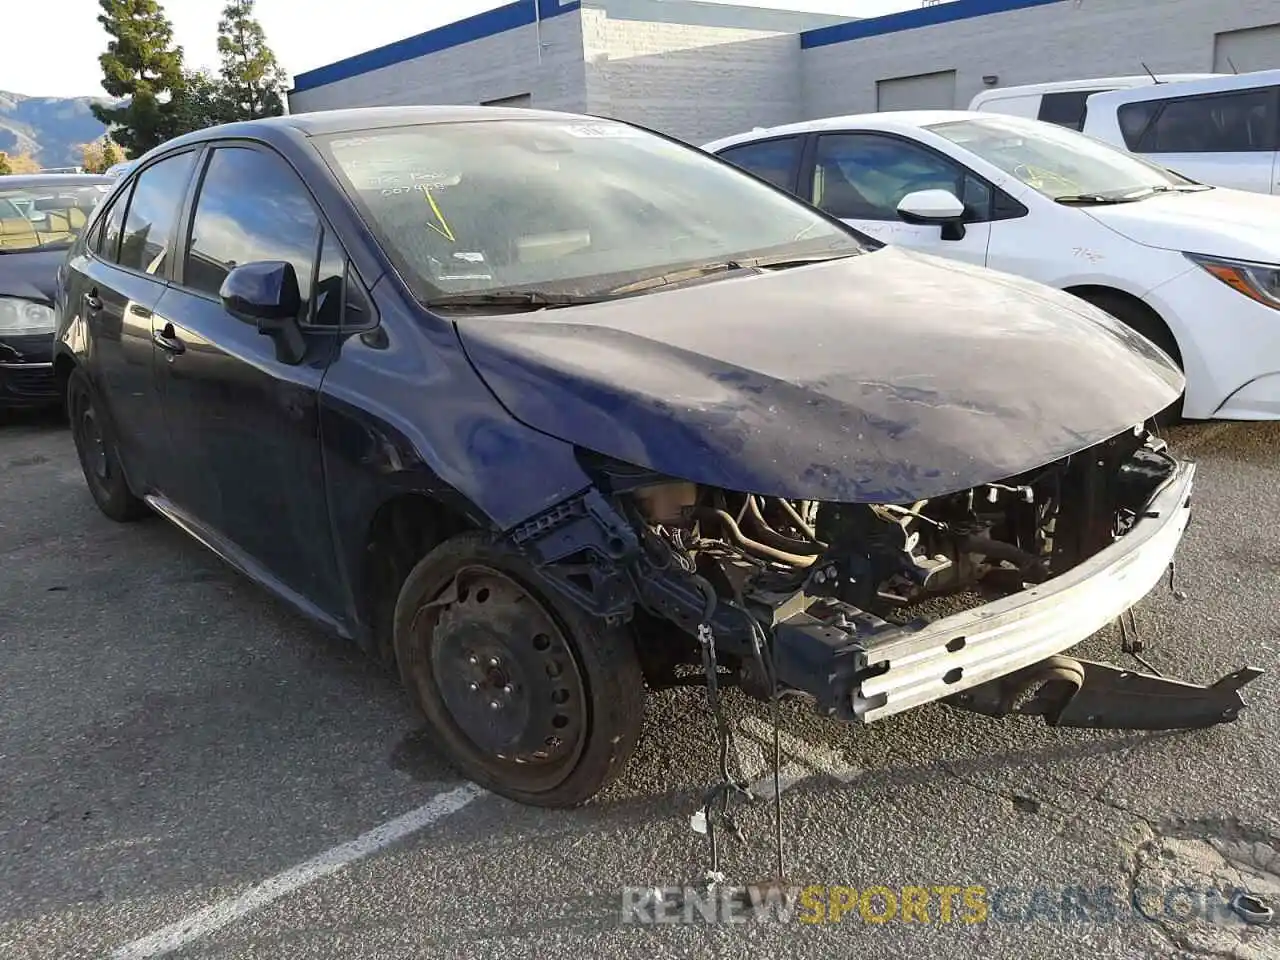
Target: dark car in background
543 409
40 217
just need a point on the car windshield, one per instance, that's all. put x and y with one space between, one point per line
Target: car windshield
1058 162
38 216
567 207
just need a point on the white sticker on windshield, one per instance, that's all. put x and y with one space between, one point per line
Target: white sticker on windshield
602 130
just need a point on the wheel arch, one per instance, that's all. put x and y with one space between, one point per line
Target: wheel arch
1140 314
400 531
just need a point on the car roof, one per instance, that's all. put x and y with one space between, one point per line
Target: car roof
13 180
326 122
1066 86
897 121
1223 83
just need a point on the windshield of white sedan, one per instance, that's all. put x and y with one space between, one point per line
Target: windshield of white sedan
39 215
1060 163
564 207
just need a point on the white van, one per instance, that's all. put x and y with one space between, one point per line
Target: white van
1222 131
1063 101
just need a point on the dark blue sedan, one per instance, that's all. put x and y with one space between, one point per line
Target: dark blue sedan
40 217
542 409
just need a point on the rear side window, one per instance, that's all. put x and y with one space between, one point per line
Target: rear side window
1066 109
1240 122
106 238
153 214
772 160
251 207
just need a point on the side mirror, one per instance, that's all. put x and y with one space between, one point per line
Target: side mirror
266 294
934 208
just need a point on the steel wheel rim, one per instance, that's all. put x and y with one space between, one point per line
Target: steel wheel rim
92 445
507 678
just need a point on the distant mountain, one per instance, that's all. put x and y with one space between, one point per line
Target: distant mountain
50 129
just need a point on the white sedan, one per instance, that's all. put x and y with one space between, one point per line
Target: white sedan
1195 269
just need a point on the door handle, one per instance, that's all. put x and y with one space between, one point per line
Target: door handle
167 340
93 302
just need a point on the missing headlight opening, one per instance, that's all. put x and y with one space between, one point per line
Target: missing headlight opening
870 609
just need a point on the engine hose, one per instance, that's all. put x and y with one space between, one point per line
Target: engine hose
798 520
735 534
995 549
775 539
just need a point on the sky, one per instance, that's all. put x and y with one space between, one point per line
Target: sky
61 39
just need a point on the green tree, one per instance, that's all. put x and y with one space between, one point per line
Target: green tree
140 64
5 170
252 78
202 101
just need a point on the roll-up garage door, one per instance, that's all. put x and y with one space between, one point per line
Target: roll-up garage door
925 91
1257 48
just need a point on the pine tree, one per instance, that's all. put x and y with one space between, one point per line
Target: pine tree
203 101
250 73
142 64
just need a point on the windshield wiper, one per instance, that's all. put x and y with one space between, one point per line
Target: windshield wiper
783 262
512 300
679 276
724 266
1088 199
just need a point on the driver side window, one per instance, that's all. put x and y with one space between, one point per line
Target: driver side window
863 176
251 207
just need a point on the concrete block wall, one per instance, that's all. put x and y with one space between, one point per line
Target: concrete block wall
502 64
692 81
1063 40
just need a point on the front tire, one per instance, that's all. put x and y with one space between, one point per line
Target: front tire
529 696
98 452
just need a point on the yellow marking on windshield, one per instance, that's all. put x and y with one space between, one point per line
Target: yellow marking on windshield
446 232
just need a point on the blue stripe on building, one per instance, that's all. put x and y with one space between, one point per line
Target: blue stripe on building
522 13
910 19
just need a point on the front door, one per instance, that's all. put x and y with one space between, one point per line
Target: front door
861 178
244 423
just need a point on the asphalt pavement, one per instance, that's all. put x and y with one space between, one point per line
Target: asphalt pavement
190 769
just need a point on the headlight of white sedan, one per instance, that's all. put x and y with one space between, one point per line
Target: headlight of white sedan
24 317
1258 281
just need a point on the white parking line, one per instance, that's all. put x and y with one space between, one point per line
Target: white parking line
218 915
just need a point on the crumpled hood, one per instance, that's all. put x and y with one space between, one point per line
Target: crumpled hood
886 377
31 276
1219 222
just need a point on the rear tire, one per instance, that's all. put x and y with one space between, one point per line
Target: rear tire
529 696
1139 319
98 452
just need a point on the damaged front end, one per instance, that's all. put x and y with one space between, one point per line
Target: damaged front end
870 609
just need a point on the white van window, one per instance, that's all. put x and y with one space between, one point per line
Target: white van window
1066 109
1240 122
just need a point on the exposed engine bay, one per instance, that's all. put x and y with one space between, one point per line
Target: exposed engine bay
836 600
997 538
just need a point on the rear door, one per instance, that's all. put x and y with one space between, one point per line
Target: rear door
1225 139
861 177
243 423
115 284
